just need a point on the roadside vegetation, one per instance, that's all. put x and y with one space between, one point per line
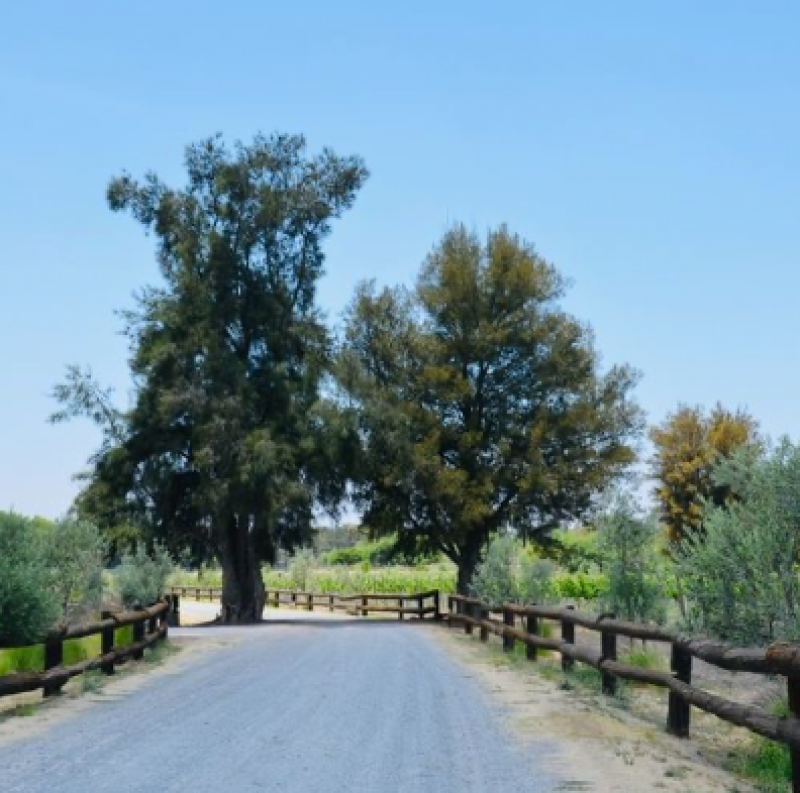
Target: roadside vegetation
55 574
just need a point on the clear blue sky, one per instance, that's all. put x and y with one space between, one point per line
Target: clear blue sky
649 149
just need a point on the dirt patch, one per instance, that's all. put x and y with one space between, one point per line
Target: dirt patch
29 714
604 746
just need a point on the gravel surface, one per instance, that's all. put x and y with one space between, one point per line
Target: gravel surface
302 705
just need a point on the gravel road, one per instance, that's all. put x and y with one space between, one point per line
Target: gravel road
303 704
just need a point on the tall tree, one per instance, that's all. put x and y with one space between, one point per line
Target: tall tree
479 401
226 448
688 446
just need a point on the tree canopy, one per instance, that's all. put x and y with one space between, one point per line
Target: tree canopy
228 444
479 401
688 446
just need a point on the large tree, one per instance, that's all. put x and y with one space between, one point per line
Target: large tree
227 446
480 402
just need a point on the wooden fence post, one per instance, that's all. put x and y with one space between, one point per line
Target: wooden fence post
679 713
609 650
330 603
53 657
107 641
453 607
174 613
483 615
567 636
508 621
310 604
532 627
400 603
364 612
793 685
421 606
469 612
138 636
294 598
437 605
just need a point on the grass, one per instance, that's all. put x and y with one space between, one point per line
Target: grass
767 763
31 659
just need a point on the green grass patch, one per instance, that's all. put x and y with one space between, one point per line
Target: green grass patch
31 659
22 659
646 658
768 764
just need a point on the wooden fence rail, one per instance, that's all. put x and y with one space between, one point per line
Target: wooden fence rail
363 604
149 627
778 659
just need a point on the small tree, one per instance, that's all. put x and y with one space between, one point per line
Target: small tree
142 577
28 606
628 542
688 446
508 573
739 568
74 552
301 567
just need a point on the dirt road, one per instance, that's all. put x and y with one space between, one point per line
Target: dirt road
304 704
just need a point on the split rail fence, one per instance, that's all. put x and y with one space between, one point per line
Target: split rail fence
149 627
417 604
515 623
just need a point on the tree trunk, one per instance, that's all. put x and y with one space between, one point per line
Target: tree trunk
467 562
243 596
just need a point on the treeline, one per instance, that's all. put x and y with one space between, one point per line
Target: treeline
468 405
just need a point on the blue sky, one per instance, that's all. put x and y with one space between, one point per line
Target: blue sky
650 150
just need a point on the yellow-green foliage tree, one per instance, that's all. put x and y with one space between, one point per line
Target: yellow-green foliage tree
688 446
480 403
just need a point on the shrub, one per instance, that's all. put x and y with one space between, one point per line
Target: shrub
142 578
74 555
300 568
628 543
28 606
739 571
508 573
580 585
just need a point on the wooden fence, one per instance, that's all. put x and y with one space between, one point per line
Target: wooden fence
417 604
522 624
149 627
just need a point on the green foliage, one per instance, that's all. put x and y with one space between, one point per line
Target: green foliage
508 574
352 580
574 550
142 578
74 554
479 401
627 541
229 443
581 586
374 552
29 606
739 569
300 568
768 763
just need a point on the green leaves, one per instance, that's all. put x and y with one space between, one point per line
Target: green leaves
479 402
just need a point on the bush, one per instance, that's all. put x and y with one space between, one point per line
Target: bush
581 586
142 578
300 568
628 543
509 574
739 572
74 552
28 606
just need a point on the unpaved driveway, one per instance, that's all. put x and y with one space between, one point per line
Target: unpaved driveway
302 705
